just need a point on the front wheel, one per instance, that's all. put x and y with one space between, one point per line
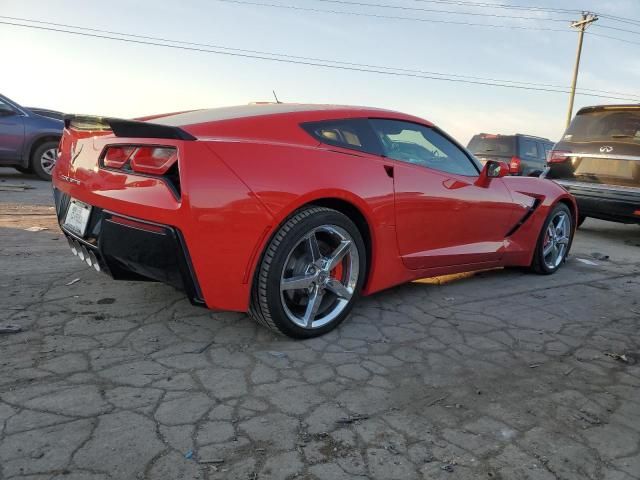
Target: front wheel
44 159
554 241
311 274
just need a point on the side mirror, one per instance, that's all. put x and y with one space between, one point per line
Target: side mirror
492 169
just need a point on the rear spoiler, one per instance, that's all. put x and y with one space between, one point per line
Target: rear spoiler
125 128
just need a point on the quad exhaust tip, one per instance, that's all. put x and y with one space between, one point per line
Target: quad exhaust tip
84 254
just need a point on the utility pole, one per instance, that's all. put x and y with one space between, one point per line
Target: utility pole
581 25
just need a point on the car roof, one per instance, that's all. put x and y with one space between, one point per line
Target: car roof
597 108
320 112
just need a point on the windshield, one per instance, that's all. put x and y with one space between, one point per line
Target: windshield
492 145
605 125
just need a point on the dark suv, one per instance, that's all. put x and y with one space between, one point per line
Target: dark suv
525 154
598 161
29 138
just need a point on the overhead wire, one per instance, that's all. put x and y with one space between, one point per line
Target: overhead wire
390 17
316 59
324 63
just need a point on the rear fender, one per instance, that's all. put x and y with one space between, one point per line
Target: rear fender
288 177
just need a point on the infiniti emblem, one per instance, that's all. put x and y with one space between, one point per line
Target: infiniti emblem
606 149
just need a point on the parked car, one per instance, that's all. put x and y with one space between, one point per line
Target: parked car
525 154
291 212
29 138
598 161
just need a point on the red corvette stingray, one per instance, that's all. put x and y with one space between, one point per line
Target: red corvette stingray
291 212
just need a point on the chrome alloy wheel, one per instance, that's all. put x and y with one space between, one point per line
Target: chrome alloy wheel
319 276
556 240
48 160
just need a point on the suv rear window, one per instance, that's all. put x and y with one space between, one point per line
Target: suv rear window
604 125
528 148
492 145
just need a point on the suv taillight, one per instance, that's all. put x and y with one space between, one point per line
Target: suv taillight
514 165
148 159
558 156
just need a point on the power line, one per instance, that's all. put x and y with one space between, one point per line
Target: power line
532 8
323 60
429 20
614 18
618 29
434 10
390 17
501 6
610 37
331 65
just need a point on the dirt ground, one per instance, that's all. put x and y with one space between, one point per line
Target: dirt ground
499 375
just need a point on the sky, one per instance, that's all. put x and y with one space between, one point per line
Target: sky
78 74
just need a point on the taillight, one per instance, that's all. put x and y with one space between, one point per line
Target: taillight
558 156
116 157
514 165
140 158
153 160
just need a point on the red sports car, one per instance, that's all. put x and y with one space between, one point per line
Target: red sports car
291 212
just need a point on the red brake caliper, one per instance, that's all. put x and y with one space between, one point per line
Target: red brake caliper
337 272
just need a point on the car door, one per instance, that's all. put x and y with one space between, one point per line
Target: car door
11 133
442 217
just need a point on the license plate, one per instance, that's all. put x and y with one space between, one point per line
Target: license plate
77 217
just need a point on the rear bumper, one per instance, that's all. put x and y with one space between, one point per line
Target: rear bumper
132 249
613 203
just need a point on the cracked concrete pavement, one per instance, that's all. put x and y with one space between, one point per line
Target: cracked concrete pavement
500 375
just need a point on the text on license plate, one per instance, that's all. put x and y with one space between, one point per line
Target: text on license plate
77 217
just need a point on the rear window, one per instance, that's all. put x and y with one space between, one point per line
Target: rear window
492 145
622 125
355 134
528 148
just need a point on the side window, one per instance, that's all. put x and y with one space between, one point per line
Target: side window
528 149
355 134
421 145
547 148
6 109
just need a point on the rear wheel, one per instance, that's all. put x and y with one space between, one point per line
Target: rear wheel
311 274
554 241
44 159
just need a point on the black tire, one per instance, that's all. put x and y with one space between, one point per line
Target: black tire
36 162
581 219
539 265
267 303
25 170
